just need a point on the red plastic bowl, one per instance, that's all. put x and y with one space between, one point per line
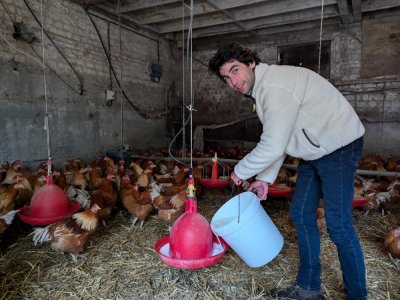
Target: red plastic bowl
274 192
216 184
358 202
162 248
26 215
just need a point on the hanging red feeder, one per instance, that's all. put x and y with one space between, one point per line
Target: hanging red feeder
191 244
274 191
49 204
215 181
359 202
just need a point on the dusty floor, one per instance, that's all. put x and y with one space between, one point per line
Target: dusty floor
122 264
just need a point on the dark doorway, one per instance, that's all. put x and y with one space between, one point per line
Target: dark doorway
306 55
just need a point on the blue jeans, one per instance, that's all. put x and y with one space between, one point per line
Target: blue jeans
330 177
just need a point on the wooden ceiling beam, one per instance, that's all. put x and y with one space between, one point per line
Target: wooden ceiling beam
374 5
136 5
265 9
273 21
208 42
93 2
144 4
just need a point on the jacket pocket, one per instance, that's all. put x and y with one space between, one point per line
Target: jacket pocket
305 145
309 139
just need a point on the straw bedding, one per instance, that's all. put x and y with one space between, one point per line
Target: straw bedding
122 264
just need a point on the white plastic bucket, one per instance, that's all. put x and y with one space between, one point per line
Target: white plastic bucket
255 237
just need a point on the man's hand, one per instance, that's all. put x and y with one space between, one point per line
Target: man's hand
236 180
260 187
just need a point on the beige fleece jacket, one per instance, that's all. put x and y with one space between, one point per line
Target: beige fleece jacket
303 115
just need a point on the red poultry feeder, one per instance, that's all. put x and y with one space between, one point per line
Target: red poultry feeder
191 244
359 202
49 204
215 181
273 191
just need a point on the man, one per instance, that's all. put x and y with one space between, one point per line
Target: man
304 116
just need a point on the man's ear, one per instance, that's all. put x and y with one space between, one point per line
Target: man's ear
253 64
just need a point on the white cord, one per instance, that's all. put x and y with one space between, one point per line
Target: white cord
46 118
183 83
120 76
320 36
189 107
191 84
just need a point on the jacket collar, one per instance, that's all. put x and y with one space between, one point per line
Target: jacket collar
249 94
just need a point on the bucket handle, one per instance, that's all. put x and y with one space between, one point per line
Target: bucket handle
237 194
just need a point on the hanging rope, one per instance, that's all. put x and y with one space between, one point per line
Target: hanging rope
320 36
46 118
120 76
191 84
191 106
183 83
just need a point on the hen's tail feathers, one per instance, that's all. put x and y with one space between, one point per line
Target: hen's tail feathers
79 195
41 235
87 220
155 187
9 217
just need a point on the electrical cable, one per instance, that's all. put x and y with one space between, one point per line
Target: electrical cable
34 58
59 51
110 20
109 53
145 115
38 61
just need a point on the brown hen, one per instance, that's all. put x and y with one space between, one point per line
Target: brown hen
136 202
71 234
105 197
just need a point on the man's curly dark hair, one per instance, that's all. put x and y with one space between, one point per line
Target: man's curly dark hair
230 51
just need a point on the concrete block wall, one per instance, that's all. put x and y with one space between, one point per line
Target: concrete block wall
80 122
376 100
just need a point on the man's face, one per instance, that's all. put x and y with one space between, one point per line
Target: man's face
238 76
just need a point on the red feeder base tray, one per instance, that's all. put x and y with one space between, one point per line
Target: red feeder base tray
25 215
216 184
358 202
162 248
273 192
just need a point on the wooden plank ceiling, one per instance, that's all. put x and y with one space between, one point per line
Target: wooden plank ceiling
215 20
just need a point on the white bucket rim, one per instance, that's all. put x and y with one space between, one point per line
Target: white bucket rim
245 216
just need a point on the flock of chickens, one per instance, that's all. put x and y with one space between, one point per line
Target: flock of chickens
146 186
99 187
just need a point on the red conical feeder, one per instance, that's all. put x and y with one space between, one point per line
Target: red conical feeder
49 204
191 244
215 181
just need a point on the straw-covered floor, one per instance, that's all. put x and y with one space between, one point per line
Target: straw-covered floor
121 263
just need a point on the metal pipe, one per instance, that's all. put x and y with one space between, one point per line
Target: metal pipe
292 167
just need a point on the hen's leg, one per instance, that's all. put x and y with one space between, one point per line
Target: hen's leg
76 256
134 222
